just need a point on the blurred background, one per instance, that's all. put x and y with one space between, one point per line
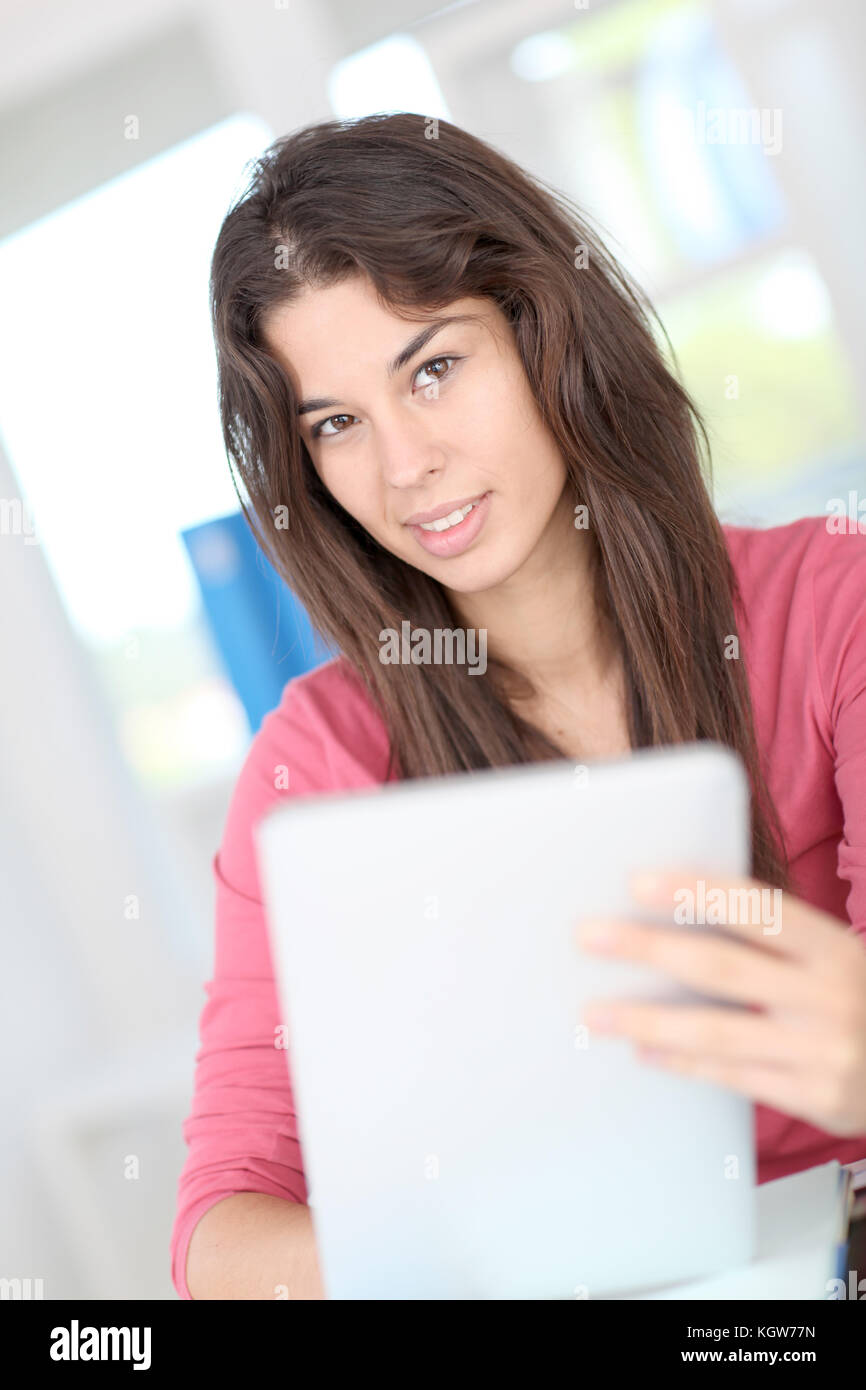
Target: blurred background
718 146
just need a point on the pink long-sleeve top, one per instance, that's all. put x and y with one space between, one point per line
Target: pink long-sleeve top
803 638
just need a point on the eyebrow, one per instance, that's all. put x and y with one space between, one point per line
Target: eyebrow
404 356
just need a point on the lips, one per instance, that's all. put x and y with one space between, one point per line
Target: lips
438 512
454 540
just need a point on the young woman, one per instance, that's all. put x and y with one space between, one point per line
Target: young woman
409 326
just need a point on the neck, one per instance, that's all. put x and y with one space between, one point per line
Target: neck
544 622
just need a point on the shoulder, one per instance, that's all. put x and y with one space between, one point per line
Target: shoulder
327 720
812 563
324 729
803 598
324 735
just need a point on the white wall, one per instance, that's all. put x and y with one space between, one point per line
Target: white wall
100 1012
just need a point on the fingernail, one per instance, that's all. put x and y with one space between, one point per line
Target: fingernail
647 885
599 934
600 1018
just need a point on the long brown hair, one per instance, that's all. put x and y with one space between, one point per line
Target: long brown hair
430 214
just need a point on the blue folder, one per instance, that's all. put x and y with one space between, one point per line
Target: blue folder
260 629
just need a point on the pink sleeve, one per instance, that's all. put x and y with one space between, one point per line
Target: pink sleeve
839 596
241 1132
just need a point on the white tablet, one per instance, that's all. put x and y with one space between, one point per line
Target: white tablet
463 1136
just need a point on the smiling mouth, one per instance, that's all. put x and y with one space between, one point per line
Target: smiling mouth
450 535
445 523
458 511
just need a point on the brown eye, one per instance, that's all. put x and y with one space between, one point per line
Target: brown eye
320 427
436 362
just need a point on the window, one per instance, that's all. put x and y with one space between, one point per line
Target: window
636 111
109 416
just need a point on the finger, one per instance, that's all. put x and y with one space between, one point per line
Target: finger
725 1034
793 1093
766 916
726 969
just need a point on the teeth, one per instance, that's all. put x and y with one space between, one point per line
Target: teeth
445 522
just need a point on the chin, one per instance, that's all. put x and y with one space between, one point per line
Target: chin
476 578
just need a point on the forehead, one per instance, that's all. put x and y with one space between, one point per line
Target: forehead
346 325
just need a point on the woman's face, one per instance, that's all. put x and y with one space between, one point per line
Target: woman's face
397 426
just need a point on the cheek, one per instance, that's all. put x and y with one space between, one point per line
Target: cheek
485 432
507 434
355 491
327 467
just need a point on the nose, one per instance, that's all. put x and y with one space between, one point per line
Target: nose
407 447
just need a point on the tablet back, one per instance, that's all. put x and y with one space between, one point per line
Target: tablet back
463 1135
